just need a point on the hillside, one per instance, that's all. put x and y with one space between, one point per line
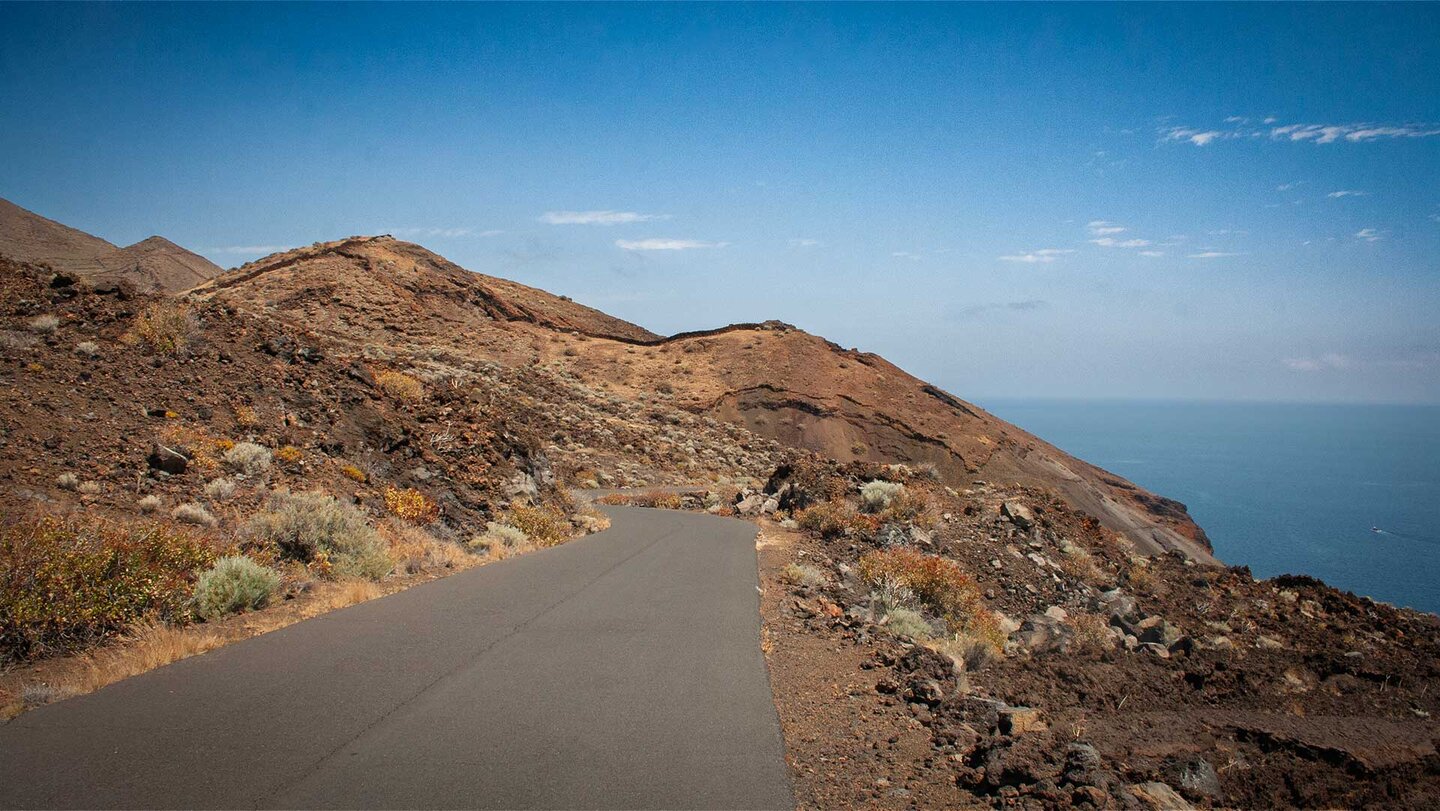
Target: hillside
152 265
771 379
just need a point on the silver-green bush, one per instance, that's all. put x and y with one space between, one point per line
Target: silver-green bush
234 583
248 458
907 622
877 495
304 525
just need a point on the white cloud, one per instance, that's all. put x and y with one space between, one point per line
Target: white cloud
1034 257
1212 255
1288 186
1101 227
442 233
665 244
1336 195
251 250
598 217
1369 235
1152 254
1110 242
804 243
1298 133
1326 362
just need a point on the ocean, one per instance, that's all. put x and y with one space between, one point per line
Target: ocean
1281 488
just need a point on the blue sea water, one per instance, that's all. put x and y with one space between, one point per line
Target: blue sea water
1279 488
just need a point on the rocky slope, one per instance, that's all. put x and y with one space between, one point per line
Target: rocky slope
152 265
771 379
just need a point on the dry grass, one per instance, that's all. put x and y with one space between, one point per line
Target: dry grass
146 648
400 386
415 550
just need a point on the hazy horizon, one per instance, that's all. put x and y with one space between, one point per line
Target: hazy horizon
1014 202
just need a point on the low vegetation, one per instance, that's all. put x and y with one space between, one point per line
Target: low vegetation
235 583
411 505
69 583
316 529
248 459
939 586
165 327
541 525
400 386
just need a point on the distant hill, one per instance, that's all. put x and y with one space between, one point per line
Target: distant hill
151 265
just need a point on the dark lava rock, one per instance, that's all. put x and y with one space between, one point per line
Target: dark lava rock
167 460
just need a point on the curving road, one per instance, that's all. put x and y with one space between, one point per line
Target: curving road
622 670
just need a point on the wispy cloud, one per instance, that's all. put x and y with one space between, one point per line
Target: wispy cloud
665 244
1111 242
441 233
598 217
1239 128
1290 186
804 243
1212 255
1329 361
1152 254
1336 195
907 255
1027 305
1369 235
1101 228
251 250
1036 257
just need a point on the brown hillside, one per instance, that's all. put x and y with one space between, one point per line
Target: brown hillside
158 265
152 265
29 237
775 380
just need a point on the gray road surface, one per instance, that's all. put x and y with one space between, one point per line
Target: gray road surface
622 670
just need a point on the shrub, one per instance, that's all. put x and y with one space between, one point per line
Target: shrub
246 416
654 499
798 574
248 458
414 550
67 583
1089 633
353 473
234 583
499 536
11 339
89 488
411 504
166 327
540 525
44 324
289 455
316 528
400 386
832 519
908 622
877 495
39 694
67 481
193 513
938 584
220 490
909 506
87 349
148 504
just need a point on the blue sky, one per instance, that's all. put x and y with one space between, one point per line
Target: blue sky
1187 201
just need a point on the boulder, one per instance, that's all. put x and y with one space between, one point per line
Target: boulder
750 505
1018 514
1020 720
1159 796
167 460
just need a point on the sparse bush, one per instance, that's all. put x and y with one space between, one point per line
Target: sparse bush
971 651
149 504
234 583
11 339
166 327
87 349
877 495
903 621
415 550
654 499
315 528
248 458
220 490
939 585
193 513
1089 633
246 416
833 518
39 694
400 386
66 583
67 481
1141 580
1080 565
89 488
540 525
44 324
499 536
353 473
411 504
798 574
909 506
289 455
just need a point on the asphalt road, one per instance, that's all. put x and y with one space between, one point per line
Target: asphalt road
622 670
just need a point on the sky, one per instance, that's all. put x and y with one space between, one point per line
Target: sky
1194 201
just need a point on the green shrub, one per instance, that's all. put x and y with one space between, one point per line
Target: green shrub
248 458
798 574
877 495
540 525
234 583
68 583
908 622
193 513
315 527
498 534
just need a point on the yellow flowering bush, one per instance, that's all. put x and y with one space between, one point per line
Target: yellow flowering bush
411 504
